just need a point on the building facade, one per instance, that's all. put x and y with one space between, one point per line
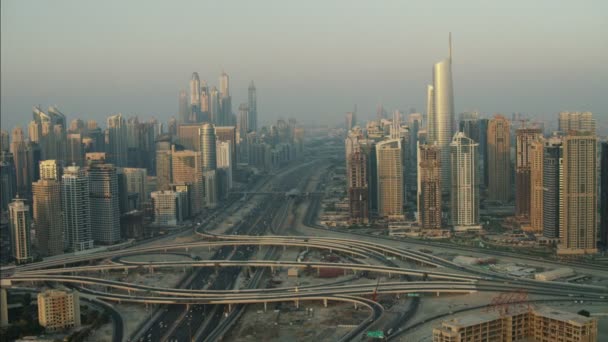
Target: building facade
524 139
21 242
499 159
390 178
58 310
429 186
105 203
578 219
76 205
464 172
48 216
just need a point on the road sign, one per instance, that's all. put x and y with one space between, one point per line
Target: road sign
413 294
375 334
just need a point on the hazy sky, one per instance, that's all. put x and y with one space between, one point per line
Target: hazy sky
310 59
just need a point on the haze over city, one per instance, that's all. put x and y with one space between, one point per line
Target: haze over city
312 171
311 60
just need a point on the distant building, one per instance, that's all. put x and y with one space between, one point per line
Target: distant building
429 186
351 120
253 107
524 139
390 178
8 182
464 196
543 324
75 150
21 242
187 168
499 159
170 207
117 140
207 140
552 184
576 121
50 169
578 219
356 177
136 183
604 195
58 310
537 189
211 191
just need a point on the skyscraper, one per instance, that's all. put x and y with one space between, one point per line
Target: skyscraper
464 196
104 197
499 159
224 165
429 186
116 140
576 121
50 169
214 106
204 117
136 183
187 168
242 124
207 146
604 195
537 189
358 192
351 120
183 112
524 139
225 100
48 217
75 151
253 107
440 99
552 185
390 178
76 209
19 218
18 149
578 219
8 183
195 97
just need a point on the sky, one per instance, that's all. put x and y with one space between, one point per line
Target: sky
312 60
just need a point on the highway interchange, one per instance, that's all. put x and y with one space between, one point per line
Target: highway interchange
208 300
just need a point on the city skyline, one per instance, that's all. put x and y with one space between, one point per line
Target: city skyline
552 75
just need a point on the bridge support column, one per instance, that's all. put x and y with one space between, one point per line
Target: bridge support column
3 308
390 275
437 294
345 271
325 302
129 291
126 270
188 306
297 304
356 306
272 269
265 306
284 248
318 271
398 296
229 307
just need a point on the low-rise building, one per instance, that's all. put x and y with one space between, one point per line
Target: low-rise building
58 310
534 325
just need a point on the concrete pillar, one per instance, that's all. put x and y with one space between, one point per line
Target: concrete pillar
3 308
265 306
297 304
355 305
325 302
229 307
318 271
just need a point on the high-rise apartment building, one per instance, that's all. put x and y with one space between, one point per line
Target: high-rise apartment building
163 169
195 97
8 183
464 172
211 191
105 205
242 128
537 188
136 179
499 159
204 117
188 136
552 185
50 169
225 101
228 133
116 140
429 186
604 194
207 147
224 163
170 207
390 178
214 106
253 107
440 102
351 120
20 160
576 121
578 219
187 168
19 220
74 150
58 310
524 138
356 175
183 114
76 205
48 216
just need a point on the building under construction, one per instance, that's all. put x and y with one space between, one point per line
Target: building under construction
529 325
